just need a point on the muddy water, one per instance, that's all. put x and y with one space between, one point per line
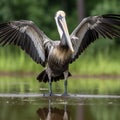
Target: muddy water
21 100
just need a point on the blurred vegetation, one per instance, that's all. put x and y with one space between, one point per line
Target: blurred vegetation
104 53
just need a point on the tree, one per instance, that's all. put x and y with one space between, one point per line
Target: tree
80 9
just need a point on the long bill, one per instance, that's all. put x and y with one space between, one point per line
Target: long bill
65 30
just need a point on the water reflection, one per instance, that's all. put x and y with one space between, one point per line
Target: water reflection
40 108
53 113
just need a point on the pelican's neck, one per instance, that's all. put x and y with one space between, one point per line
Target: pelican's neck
63 38
63 41
58 28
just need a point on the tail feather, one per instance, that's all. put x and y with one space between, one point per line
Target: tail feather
43 77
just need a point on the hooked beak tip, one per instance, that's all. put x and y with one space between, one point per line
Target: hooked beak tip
72 51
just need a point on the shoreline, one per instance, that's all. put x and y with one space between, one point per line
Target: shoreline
85 76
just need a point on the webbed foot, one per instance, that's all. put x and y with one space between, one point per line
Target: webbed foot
65 94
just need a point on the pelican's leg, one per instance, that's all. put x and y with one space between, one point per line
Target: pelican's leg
50 86
65 83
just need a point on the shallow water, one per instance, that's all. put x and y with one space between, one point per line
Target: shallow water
37 107
24 100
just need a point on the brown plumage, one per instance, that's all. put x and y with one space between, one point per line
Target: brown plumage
57 55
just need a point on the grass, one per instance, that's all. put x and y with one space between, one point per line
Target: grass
104 61
98 64
16 61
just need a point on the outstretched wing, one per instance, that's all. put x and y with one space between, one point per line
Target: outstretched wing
26 35
91 28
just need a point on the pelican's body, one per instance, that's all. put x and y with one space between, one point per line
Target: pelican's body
58 60
57 55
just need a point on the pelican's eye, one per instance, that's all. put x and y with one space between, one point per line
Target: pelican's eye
60 17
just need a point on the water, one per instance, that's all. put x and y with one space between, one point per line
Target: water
22 99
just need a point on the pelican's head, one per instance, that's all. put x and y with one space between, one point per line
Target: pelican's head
62 28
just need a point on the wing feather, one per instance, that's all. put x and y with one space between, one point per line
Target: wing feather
27 36
91 28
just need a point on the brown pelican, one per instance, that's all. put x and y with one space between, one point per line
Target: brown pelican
57 55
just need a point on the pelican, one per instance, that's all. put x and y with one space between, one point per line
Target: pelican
56 56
